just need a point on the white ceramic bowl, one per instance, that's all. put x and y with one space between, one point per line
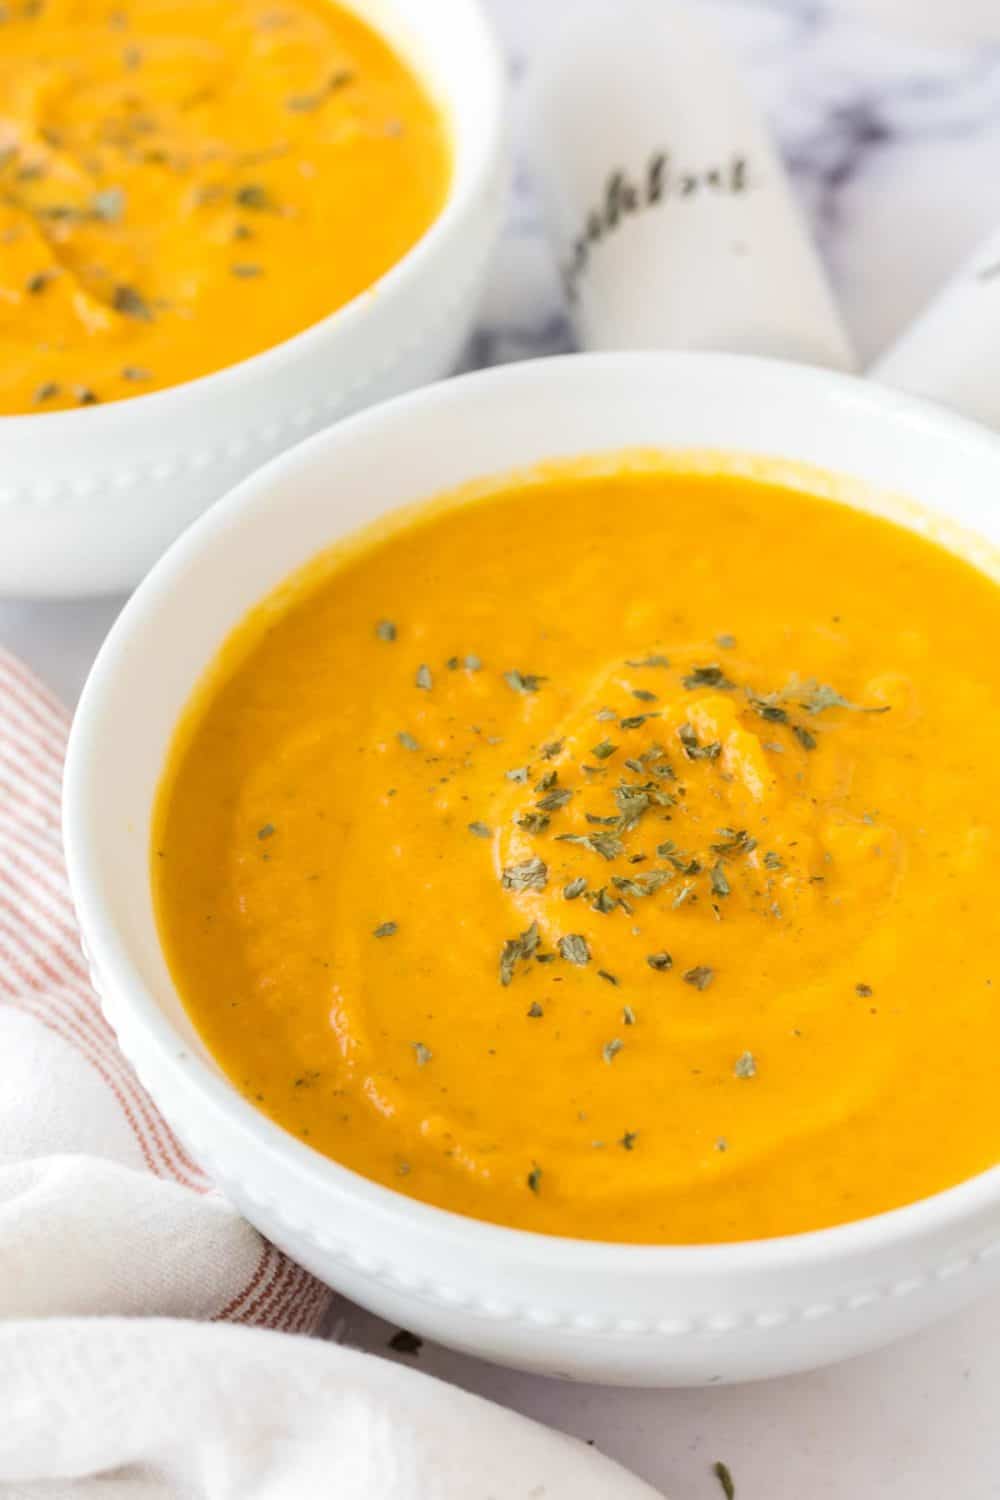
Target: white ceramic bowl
89 499
629 1314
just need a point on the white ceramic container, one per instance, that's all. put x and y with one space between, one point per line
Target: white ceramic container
627 1314
89 499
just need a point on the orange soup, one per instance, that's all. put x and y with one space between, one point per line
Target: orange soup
184 183
608 856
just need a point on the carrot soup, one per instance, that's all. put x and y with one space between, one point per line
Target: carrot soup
607 856
185 183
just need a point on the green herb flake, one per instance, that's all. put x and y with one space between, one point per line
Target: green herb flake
136 373
772 860
574 948
534 1179
407 740
717 876
726 641
305 103
693 748
530 875
864 990
661 962
628 1015
386 929
707 677
608 977
552 749
629 1139
607 845
519 773
255 197
472 663
555 800
514 949
650 661
604 715
535 1011
604 750
804 737
36 284
47 391
131 304
85 395
635 721
611 1049
423 1054
108 205
386 630
268 831
523 682
700 977
722 1474
575 888
424 679
745 1066
533 822
644 695
481 830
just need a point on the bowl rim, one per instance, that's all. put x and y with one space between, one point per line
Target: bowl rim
472 167
107 950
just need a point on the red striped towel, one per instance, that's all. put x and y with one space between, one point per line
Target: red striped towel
101 1208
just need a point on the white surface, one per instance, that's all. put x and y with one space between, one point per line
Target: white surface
642 1315
893 139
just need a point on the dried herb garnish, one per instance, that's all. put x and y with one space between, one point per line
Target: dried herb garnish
727 642
85 395
733 841
386 630
36 284
108 205
700 976
386 929
268 831
423 1054
529 875
805 739
533 822
607 845
304 103
407 741
768 708
745 1065
607 976
574 948
481 830
644 695
711 676
816 697
255 197
552 749
515 949
519 773
603 715
554 800
575 888
424 679
535 1010
693 748
131 304
650 661
47 391
628 1015
405 1342
660 962
772 861
722 1474
629 1139
611 1049
549 779
534 1179
864 990
636 721
717 876
523 682
136 372
604 750
245 270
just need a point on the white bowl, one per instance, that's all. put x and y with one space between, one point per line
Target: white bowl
90 498
628 1314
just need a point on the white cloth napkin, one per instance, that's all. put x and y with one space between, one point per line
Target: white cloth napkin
103 1212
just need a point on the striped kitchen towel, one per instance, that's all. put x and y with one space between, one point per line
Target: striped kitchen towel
101 1208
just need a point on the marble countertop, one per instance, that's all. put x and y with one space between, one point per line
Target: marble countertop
888 115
